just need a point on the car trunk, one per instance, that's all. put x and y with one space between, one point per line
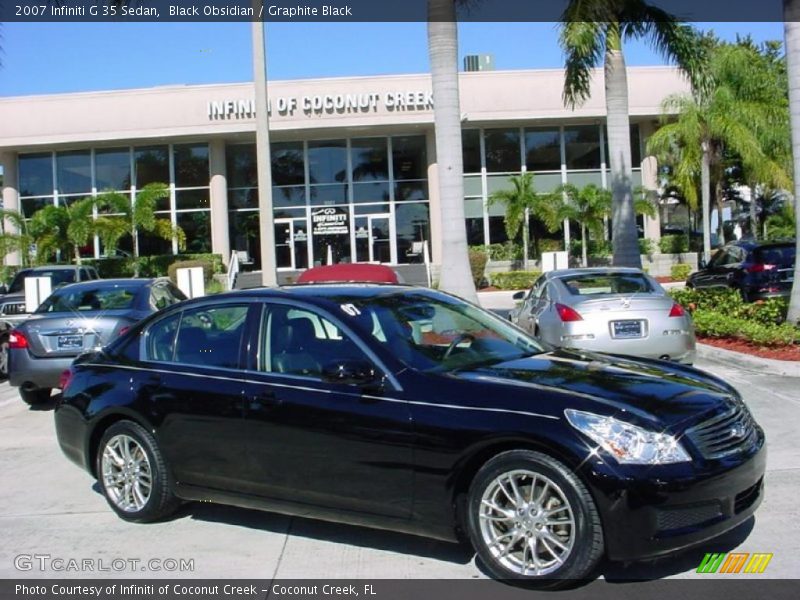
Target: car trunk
778 262
73 334
627 316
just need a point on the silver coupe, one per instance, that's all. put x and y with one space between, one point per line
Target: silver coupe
614 310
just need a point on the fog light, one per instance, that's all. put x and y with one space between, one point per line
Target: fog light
577 337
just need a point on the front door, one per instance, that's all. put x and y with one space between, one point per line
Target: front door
373 238
291 243
319 442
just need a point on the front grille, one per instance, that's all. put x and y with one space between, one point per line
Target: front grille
745 499
13 308
668 519
729 433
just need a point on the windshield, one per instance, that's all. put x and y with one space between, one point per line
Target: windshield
439 333
90 299
599 284
57 277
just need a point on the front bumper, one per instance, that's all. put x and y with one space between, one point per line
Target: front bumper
24 369
653 511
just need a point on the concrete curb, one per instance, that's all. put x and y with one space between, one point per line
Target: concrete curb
767 366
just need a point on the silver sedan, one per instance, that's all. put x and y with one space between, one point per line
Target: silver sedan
614 310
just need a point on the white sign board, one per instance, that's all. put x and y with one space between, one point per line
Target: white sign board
552 261
190 282
36 290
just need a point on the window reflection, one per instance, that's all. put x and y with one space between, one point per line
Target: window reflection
370 159
471 145
542 149
409 157
74 172
152 165
327 161
582 146
112 169
191 165
36 174
502 150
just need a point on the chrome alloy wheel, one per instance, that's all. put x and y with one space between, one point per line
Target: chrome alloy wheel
126 472
527 523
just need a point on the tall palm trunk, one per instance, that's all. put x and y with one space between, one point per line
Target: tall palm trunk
705 193
791 11
456 276
623 217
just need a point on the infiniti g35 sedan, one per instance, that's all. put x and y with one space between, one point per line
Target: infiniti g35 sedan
411 410
614 310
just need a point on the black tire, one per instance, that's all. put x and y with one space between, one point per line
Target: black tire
161 502
586 534
3 357
35 397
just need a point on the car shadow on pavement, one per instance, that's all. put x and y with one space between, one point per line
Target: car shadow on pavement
351 535
49 405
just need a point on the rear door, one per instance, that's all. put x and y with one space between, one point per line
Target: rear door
195 387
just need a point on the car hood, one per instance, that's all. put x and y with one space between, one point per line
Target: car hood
672 395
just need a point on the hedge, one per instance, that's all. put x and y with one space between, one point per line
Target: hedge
515 280
149 266
680 272
674 244
477 264
207 265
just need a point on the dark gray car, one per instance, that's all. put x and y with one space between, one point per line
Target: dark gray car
77 318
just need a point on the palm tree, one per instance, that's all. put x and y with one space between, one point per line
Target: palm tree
521 201
17 239
791 18
593 31
118 217
65 228
588 205
456 275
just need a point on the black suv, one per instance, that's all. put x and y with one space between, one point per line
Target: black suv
12 299
758 270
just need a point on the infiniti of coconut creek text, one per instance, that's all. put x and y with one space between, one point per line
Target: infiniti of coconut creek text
67 10
132 590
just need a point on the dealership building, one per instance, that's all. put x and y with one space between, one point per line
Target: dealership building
353 159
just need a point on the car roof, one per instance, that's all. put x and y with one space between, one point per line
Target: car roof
111 283
349 272
561 273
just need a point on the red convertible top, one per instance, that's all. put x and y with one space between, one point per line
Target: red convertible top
350 273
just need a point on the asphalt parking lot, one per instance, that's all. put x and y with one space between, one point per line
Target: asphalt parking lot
50 507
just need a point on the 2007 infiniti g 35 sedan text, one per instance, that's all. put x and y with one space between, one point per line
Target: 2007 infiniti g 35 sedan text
411 410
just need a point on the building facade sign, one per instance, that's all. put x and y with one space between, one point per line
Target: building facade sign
369 102
330 221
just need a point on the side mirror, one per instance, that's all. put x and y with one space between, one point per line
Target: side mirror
349 371
518 296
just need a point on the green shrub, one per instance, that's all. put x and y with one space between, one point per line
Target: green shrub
207 265
597 248
149 266
710 323
515 280
477 264
647 246
680 272
549 245
505 251
674 244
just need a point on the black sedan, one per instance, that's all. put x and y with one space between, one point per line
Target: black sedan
76 318
411 410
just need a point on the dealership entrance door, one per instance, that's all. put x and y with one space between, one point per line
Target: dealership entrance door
373 238
291 243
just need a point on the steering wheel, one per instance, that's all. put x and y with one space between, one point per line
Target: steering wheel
458 339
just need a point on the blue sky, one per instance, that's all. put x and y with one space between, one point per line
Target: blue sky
42 58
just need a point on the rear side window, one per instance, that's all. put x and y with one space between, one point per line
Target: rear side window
85 299
160 339
783 256
609 283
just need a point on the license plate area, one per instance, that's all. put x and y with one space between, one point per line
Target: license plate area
70 342
628 329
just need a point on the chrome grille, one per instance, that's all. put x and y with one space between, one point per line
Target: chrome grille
13 308
725 434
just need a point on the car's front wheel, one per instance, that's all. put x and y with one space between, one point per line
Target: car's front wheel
133 474
531 519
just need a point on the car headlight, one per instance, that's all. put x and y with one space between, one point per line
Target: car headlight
628 443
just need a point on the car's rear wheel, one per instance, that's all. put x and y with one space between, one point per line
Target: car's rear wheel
35 396
133 474
531 519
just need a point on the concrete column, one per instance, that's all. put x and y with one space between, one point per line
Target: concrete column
220 237
10 196
652 227
433 195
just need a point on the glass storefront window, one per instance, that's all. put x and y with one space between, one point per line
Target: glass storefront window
31 205
582 146
502 150
542 149
327 161
197 227
412 224
243 229
185 199
191 165
370 159
377 191
322 195
409 157
473 211
36 174
152 165
411 191
471 146
497 230
636 150
112 169
151 245
74 172
246 198
286 196
240 165
288 166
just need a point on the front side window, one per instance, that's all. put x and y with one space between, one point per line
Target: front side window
301 342
165 295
